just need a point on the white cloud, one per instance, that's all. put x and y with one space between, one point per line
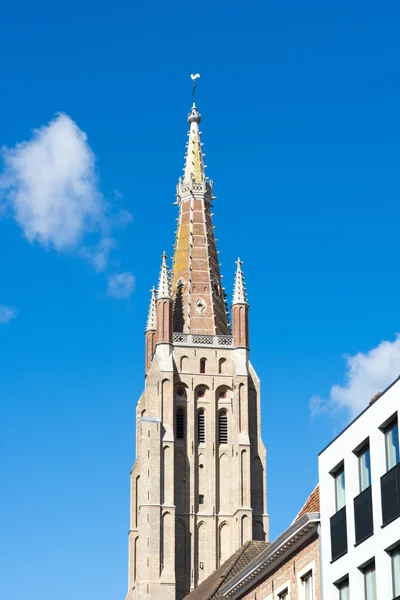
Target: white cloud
51 185
51 188
7 313
121 285
366 374
99 255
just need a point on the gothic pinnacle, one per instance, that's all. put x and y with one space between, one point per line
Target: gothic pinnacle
164 289
239 288
151 317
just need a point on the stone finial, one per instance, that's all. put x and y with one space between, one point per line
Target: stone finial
239 288
151 317
194 116
164 288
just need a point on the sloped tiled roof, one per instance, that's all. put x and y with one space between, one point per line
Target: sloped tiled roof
209 588
311 505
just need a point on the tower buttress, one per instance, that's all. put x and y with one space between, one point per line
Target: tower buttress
240 310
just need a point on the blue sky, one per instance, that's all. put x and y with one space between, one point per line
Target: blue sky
300 105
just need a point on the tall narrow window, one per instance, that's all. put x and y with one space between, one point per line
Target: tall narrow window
344 590
340 492
396 572
223 427
222 365
180 424
364 468
201 428
370 583
307 583
203 363
392 445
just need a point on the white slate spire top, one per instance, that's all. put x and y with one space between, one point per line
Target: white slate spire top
194 163
164 288
239 288
151 317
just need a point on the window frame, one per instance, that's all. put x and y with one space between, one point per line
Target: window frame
369 567
395 584
336 474
282 589
389 427
340 587
302 575
363 451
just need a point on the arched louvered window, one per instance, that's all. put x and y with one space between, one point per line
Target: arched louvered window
203 363
180 424
223 427
201 427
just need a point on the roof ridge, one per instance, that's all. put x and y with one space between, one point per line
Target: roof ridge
225 574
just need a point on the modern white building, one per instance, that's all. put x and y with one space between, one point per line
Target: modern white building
359 475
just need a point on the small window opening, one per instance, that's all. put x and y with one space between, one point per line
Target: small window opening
180 424
223 427
307 582
344 591
392 445
201 499
203 365
396 571
340 489
201 429
364 468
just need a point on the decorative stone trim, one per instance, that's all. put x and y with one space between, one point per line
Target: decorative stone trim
214 341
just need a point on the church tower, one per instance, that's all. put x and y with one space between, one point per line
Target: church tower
198 485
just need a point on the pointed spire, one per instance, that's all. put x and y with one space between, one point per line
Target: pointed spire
164 289
151 317
199 301
239 288
194 171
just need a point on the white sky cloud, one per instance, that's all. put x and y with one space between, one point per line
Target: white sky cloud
51 187
7 313
366 374
121 285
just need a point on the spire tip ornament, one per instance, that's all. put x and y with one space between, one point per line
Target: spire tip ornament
164 288
194 77
239 288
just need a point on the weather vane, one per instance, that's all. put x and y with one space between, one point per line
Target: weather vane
194 78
